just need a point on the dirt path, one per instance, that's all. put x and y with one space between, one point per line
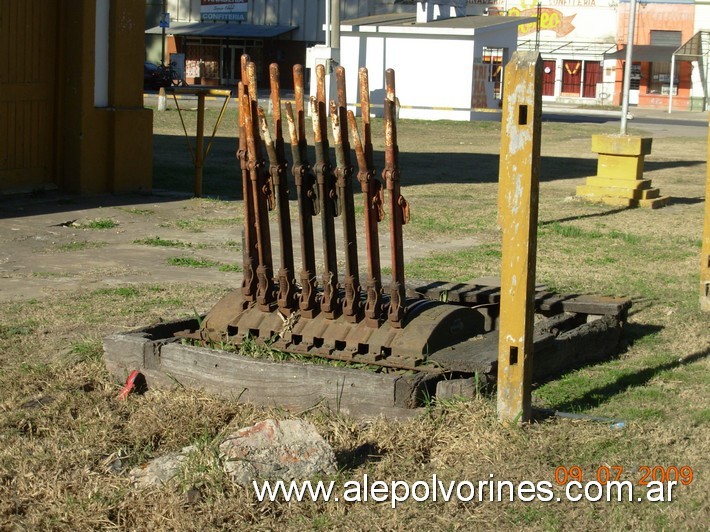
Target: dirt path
62 243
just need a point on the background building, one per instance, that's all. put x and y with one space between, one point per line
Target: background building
211 35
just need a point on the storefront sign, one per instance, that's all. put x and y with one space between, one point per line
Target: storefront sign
224 9
550 19
584 20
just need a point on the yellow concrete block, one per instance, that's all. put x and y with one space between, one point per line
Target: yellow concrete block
655 203
636 184
705 253
618 192
620 167
586 195
618 202
621 145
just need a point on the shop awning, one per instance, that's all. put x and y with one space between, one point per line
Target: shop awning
698 46
645 53
211 29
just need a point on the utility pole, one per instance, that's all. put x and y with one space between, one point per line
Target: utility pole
162 42
628 65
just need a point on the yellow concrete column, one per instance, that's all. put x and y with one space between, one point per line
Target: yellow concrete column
518 203
619 179
705 254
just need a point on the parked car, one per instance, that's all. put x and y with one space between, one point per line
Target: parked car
154 76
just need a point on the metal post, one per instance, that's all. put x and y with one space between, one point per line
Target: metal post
519 184
327 23
670 94
162 50
628 66
537 26
199 144
335 24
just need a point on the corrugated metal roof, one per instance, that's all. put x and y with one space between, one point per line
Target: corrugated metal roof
210 29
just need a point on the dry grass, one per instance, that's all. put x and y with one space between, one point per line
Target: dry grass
66 443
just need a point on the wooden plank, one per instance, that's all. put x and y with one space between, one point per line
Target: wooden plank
287 384
554 353
164 362
596 305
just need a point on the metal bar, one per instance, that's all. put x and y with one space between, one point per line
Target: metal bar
373 201
250 251
187 136
352 304
397 205
519 185
670 94
199 144
307 197
218 122
278 170
330 304
262 192
372 192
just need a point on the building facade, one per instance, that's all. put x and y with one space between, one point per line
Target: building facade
583 44
71 97
206 38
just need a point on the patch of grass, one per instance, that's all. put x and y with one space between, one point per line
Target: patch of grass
88 350
162 242
457 265
8 331
124 291
80 245
626 237
191 262
230 268
101 223
569 231
198 225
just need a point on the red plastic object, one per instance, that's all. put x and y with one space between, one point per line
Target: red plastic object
130 384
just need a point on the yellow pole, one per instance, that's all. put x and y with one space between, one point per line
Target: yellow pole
705 261
518 197
199 146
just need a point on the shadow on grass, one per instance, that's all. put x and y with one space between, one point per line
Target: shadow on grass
362 454
173 167
583 216
602 394
675 200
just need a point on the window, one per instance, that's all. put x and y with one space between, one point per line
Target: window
666 38
493 57
660 78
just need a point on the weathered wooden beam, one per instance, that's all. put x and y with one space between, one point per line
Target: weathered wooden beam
518 204
705 260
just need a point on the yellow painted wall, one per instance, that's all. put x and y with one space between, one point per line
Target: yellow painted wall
96 149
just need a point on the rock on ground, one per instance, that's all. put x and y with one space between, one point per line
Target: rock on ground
160 470
272 449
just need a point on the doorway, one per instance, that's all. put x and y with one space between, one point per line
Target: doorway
230 64
548 78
